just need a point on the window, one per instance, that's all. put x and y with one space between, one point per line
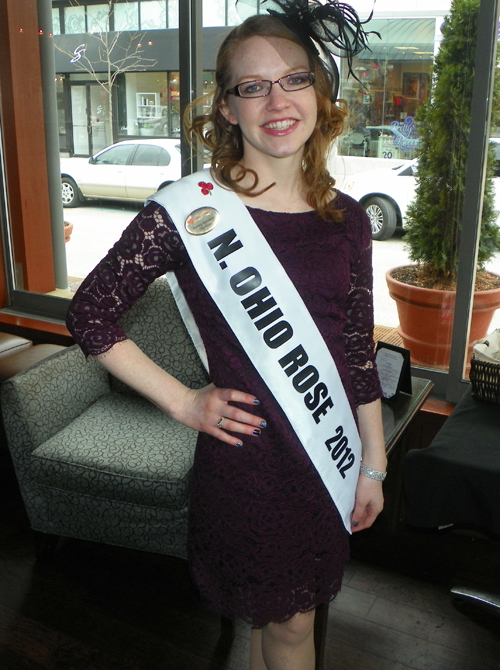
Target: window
394 82
81 18
154 15
222 13
173 14
115 156
374 163
164 158
148 155
148 105
75 20
97 18
126 16
56 21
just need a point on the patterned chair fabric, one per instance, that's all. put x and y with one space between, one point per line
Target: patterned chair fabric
95 460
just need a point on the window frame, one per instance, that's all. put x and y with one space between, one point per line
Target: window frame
485 64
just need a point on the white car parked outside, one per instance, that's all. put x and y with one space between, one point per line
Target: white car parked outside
385 194
131 170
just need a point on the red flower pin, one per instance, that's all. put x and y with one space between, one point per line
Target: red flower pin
206 187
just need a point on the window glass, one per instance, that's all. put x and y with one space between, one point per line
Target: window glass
126 16
374 154
173 14
153 15
394 79
61 113
74 20
115 156
97 18
174 115
493 265
214 13
149 104
164 158
375 163
233 18
147 155
374 158
100 123
238 12
80 123
56 22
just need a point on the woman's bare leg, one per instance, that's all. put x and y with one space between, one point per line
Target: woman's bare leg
256 658
284 646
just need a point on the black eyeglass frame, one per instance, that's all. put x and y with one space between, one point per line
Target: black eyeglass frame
236 89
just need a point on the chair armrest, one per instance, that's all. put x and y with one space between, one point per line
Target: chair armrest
46 397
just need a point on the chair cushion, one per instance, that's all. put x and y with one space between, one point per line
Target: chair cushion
155 325
121 448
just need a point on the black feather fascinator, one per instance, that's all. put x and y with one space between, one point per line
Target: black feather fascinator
326 28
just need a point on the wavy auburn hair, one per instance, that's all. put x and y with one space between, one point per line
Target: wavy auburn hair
224 139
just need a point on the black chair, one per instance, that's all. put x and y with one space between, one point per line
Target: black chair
456 480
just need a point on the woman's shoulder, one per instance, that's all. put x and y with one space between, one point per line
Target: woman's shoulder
346 202
354 217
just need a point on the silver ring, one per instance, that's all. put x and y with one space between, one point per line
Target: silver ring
220 422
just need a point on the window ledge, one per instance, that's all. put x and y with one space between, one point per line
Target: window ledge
36 328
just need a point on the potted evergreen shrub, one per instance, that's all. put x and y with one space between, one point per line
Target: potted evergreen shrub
434 216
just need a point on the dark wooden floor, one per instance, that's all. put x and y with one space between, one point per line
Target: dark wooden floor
106 608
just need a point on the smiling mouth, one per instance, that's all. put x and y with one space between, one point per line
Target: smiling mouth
280 125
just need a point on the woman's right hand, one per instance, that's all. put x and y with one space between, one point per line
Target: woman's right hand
202 409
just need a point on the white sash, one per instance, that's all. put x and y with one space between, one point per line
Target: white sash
267 315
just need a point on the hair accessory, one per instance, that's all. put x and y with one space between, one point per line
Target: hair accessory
332 26
372 474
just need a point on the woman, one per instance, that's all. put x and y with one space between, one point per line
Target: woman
266 542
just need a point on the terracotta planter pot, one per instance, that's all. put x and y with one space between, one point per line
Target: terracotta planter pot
426 320
68 229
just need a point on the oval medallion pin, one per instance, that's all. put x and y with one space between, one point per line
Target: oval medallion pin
202 220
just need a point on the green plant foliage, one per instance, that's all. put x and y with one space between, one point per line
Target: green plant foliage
435 215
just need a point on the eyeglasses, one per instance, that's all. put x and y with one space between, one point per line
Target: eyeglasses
259 88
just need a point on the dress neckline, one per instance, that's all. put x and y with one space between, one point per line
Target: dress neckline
306 212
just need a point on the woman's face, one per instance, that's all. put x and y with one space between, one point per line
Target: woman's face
279 124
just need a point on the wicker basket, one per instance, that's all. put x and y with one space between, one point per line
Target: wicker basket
485 380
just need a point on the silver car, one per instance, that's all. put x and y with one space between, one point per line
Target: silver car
131 170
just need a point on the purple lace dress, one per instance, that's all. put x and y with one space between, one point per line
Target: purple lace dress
265 539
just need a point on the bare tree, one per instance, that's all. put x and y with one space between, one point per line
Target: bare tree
119 51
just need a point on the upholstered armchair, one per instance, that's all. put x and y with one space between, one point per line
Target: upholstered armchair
93 459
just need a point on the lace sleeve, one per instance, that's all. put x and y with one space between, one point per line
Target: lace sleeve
147 249
359 329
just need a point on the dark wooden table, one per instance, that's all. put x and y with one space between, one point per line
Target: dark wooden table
397 416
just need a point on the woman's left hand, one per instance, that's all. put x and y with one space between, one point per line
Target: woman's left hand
369 497
368 503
